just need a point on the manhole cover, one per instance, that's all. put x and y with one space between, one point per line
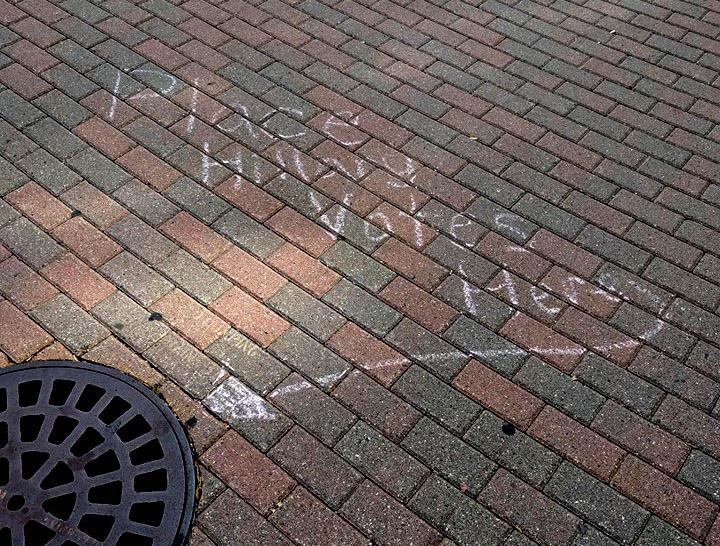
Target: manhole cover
90 457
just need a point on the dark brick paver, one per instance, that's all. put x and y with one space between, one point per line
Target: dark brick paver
414 272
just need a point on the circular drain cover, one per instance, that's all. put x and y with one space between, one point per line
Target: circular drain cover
90 457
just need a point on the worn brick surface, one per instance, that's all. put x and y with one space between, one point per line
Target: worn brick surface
249 316
21 337
375 357
22 286
238 463
306 520
449 270
437 448
248 272
663 495
77 280
71 325
530 510
385 520
547 344
191 319
38 205
498 393
582 446
85 240
313 409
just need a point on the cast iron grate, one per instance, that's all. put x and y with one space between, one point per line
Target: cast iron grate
90 457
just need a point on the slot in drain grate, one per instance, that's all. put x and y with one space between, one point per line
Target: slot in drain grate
90 457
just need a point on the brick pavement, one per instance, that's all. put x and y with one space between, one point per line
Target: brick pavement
414 272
